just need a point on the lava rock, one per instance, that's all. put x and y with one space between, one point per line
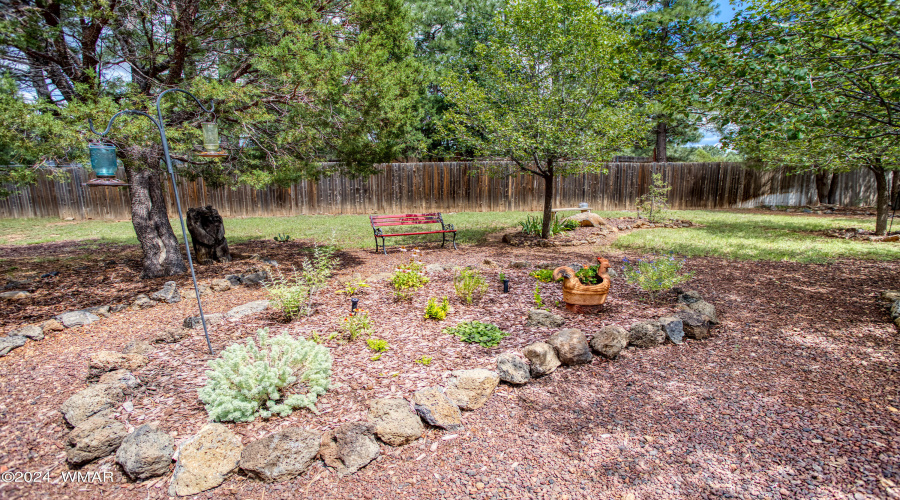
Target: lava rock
542 357
544 319
470 389
7 344
106 361
350 447
895 310
94 400
702 308
94 438
247 309
170 336
102 311
491 263
687 297
52 325
647 334
695 326
142 302
138 347
233 280
520 264
122 377
436 409
220 285
31 332
571 347
610 341
513 368
205 460
168 294
254 278
211 319
674 328
76 318
434 268
15 295
145 453
395 423
282 455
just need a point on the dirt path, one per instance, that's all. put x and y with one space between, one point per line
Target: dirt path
795 397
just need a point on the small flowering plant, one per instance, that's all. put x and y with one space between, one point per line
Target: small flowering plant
435 310
656 276
407 279
356 324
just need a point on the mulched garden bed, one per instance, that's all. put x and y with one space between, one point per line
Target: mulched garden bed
796 396
860 234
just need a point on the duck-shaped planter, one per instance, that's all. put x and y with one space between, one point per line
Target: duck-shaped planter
576 293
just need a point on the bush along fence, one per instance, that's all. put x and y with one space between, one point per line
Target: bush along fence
448 187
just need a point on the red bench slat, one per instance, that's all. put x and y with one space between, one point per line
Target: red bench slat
378 221
411 234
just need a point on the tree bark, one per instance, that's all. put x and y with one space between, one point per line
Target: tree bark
162 255
661 136
548 201
895 188
208 235
832 189
882 200
823 183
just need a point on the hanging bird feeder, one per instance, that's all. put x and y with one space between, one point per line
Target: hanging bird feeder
104 165
211 141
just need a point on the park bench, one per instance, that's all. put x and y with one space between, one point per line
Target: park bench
380 221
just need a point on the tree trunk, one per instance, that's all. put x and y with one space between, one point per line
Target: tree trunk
882 200
823 182
162 255
895 188
548 202
661 130
208 235
832 189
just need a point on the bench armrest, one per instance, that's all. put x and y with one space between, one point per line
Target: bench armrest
448 227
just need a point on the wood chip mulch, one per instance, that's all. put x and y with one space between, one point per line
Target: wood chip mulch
796 395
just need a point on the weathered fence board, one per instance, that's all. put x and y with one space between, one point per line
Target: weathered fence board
447 186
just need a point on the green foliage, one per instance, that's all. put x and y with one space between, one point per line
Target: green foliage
502 277
469 284
407 279
377 345
653 204
545 275
282 238
424 360
294 294
532 225
476 332
250 380
561 61
657 275
356 323
538 300
353 286
588 275
437 311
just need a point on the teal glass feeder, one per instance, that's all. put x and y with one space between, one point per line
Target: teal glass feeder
105 165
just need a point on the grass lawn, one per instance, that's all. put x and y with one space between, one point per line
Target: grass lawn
733 235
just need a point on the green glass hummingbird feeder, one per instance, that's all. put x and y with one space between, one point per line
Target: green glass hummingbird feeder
105 165
211 141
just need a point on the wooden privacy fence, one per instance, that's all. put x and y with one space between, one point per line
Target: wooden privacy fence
448 187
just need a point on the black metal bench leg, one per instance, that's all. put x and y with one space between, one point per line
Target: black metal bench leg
383 247
443 239
454 241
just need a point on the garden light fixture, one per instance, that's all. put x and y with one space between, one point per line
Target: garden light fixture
211 142
354 304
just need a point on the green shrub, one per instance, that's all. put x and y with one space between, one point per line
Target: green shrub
247 380
437 311
538 300
424 360
532 225
356 323
655 276
652 206
378 345
294 294
545 275
353 287
476 332
407 279
468 284
588 275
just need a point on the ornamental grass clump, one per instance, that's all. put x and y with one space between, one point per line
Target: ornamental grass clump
407 279
655 276
275 377
469 284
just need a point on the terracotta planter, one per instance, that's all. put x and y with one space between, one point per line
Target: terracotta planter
575 293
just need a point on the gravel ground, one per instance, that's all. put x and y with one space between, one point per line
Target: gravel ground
795 396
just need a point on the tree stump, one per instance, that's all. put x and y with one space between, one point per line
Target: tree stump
208 235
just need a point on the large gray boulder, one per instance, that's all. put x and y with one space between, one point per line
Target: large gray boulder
88 402
646 334
695 326
470 389
7 344
102 362
94 438
542 357
609 341
205 460
544 319
436 409
282 455
513 368
571 347
168 294
674 328
395 423
702 308
350 447
145 453
76 318
31 332
254 307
